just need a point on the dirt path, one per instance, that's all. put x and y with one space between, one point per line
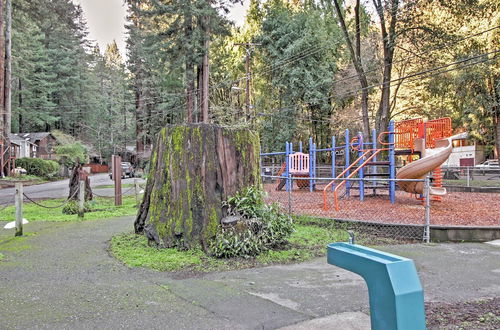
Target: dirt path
63 277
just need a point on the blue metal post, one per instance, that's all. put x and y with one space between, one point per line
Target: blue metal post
260 161
300 146
287 166
392 163
311 164
314 164
374 167
361 171
334 150
347 160
290 182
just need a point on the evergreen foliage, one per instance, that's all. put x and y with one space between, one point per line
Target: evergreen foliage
61 81
304 82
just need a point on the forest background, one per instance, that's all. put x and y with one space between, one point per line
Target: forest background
313 68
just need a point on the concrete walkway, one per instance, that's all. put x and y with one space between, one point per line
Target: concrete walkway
62 276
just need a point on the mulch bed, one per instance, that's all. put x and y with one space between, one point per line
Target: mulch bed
456 209
481 314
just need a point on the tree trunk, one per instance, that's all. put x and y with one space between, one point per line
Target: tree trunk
8 68
388 41
194 168
74 184
356 61
496 119
2 73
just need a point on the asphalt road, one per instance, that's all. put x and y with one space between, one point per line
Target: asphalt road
62 276
60 189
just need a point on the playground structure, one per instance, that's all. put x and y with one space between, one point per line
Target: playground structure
422 146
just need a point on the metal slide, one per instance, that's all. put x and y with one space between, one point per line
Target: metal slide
431 159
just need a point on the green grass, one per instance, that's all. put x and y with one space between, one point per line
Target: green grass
16 243
473 183
104 186
104 209
33 179
1 257
134 251
309 240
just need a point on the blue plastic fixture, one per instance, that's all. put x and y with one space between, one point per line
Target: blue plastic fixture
395 293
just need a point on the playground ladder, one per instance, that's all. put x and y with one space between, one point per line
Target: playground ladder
374 152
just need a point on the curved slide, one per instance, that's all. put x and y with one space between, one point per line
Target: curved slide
431 159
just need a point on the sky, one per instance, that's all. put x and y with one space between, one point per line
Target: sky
106 20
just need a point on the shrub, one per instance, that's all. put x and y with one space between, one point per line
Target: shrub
72 207
39 167
70 154
262 227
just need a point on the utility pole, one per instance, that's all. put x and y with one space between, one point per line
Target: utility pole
4 144
248 53
8 67
2 72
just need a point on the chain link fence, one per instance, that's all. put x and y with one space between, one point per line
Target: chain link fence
367 209
471 178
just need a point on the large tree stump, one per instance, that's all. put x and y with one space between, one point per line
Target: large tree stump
193 169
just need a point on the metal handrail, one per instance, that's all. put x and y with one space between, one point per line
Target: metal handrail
325 206
385 143
335 194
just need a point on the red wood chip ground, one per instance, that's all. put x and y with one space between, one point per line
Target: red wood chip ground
456 209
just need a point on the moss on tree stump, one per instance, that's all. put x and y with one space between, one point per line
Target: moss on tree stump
194 168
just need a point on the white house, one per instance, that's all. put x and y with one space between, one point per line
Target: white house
25 147
465 153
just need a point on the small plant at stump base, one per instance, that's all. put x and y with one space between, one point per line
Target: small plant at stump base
254 227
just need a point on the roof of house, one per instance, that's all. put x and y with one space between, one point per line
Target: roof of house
34 137
31 138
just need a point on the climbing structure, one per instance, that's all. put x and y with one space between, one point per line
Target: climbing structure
373 165
409 131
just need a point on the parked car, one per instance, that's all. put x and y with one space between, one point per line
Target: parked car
491 166
491 163
127 170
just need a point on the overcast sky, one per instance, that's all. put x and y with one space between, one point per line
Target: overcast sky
106 20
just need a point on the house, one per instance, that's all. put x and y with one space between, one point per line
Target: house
44 141
465 152
22 147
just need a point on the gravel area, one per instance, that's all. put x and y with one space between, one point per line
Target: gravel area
481 314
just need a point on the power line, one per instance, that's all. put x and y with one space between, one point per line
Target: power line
414 76
271 68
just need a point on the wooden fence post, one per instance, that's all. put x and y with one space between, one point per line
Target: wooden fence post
81 199
117 178
19 209
136 190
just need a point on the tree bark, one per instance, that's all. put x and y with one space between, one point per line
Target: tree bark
190 77
194 168
206 75
388 42
74 184
8 68
356 61
2 72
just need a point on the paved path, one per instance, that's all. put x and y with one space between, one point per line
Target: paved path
60 189
63 277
